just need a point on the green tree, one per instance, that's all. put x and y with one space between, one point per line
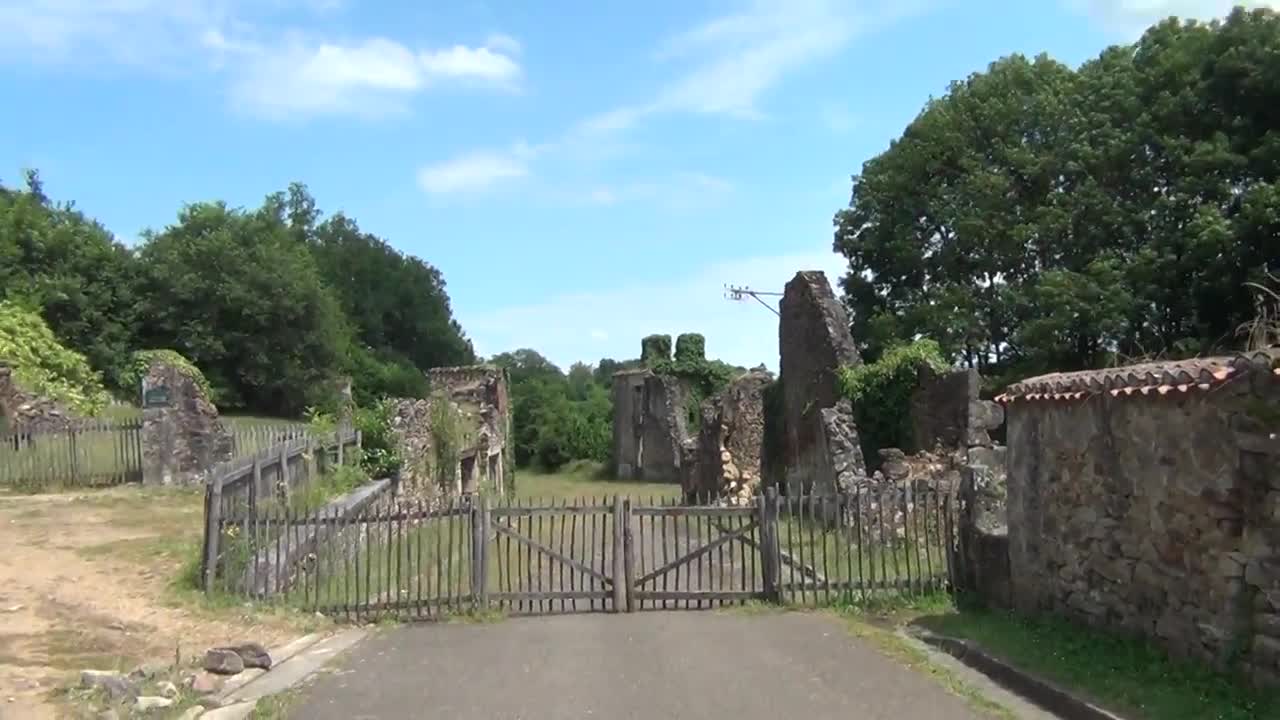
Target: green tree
397 303
70 269
234 292
1038 217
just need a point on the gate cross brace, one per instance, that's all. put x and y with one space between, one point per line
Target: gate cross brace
503 528
736 535
786 558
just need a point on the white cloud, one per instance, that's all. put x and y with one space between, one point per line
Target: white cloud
736 58
503 43
727 64
365 77
473 172
460 61
1131 17
565 328
279 72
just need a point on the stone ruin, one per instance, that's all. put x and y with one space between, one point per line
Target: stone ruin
822 453
477 395
725 461
25 412
182 436
649 426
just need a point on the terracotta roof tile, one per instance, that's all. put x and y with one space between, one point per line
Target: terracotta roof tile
1145 378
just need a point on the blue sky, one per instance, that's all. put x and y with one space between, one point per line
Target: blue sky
583 173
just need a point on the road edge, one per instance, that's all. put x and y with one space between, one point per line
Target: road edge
1042 693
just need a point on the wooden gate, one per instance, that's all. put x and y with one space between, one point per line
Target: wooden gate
407 559
695 556
556 557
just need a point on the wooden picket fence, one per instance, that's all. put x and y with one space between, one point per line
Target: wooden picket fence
89 453
414 560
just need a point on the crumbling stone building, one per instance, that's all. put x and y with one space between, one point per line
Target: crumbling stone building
476 398
649 425
725 461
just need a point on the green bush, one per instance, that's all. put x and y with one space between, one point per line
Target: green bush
655 349
44 366
881 393
140 362
381 454
691 347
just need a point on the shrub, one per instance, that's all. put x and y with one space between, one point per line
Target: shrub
881 393
45 366
381 454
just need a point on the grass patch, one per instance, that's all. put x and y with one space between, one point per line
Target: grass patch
275 707
584 483
881 630
1127 674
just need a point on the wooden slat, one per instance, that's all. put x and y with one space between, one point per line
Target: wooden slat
700 595
523 510
532 596
689 511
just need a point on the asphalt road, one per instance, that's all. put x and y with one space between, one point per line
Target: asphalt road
642 666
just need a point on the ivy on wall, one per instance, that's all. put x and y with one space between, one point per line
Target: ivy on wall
881 394
701 377
655 349
140 362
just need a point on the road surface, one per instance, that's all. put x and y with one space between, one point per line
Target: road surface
641 666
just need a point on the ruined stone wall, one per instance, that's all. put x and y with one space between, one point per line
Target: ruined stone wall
649 428
26 412
730 439
411 424
814 343
182 436
1148 499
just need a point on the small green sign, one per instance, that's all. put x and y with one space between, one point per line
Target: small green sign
157 396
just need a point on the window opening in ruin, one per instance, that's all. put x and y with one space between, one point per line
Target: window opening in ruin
468 468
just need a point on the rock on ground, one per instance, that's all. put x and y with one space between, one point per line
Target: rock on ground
150 702
253 654
223 661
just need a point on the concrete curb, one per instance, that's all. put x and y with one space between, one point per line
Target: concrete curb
278 656
299 661
1042 693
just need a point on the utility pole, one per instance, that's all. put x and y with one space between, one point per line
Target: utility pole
738 294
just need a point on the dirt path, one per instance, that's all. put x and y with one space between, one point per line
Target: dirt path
86 581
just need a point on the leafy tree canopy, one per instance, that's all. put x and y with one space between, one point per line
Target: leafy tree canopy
72 270
237 294
1039 217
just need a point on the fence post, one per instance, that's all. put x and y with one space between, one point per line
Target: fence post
628 555
619 553
479 553
212 530
75 459
767 507
284 471
341 441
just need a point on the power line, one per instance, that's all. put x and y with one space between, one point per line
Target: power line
733 292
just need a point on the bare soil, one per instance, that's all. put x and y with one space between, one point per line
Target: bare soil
93 579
